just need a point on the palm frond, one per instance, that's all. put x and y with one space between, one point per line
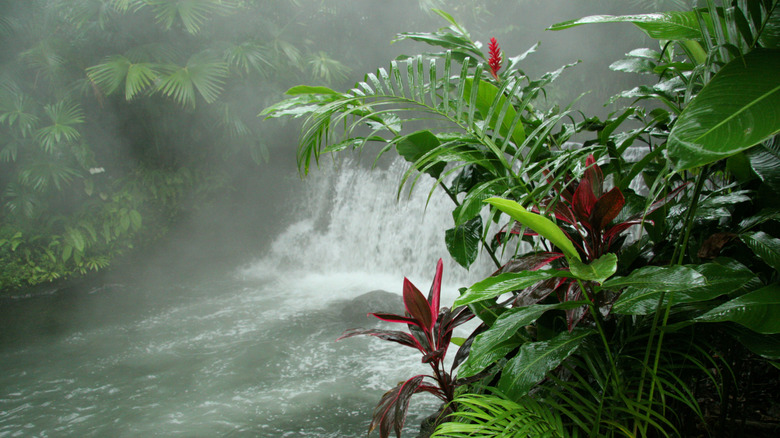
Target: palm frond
192 13
203 73
18 110
479 415
46 173
248 56
326 68
64 117
19 200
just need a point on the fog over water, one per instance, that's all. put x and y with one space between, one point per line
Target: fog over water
226 326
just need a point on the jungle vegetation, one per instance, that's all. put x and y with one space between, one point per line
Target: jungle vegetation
635 290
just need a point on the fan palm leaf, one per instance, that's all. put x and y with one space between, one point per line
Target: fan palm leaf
248 56
202 73
17 109
64 117
192 13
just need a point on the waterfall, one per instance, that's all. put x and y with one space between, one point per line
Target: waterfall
351 220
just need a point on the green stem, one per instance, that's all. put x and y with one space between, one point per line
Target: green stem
681 246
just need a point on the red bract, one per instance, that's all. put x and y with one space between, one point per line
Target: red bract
430 332
495 58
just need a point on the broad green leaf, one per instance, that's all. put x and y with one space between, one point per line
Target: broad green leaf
495 343
486 97
504 283
765 162
736 110
597 270
721 278
536 359
658 278
415 146
767 346
463 241
765 246
675 25
756 310
540 224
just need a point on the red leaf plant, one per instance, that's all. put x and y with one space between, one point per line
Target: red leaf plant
495 58
586 213
430 332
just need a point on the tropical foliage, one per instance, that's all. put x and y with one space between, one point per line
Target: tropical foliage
431 328
113 114
631 252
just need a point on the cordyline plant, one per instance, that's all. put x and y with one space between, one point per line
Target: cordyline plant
430 332
586 212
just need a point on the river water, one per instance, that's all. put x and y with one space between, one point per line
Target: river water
247 351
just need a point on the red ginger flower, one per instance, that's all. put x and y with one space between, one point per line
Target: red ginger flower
495 58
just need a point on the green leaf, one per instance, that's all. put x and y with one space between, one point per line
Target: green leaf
463 241
473 203
486 98
415 146
767 346
765 246
536 359
135 219
202 73
308 89
597 270
721 278
765 162
658 278
504 283
675 25
500 339
736 110
756 310
540 224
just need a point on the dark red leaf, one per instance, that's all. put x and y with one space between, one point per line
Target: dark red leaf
530 262
402 338
594 175
417 306
390 413
463 352
607 208
390 317
436 355
435 292
537 292
584 200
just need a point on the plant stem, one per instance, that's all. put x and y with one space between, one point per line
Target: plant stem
681 246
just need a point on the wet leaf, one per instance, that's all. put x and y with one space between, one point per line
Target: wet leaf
736 110
536 359
756 310
463 241
492 287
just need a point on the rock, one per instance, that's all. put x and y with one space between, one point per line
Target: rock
371 302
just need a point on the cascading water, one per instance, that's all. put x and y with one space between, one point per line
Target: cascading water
250 353
352 221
